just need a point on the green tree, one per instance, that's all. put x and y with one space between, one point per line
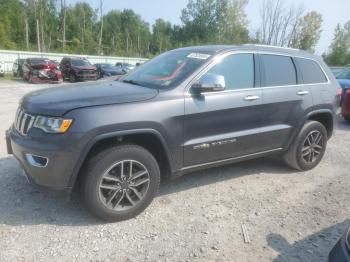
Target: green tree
235 23
203 21
161 38
339 53
11 24
309 31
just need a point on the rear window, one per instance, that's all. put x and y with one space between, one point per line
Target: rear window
279 70
311 71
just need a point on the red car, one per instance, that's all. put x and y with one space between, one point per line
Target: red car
78 69
345 108
41 70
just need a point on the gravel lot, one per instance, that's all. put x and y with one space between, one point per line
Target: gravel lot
290 216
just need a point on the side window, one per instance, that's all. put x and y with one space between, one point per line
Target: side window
279 70
311 71
238 71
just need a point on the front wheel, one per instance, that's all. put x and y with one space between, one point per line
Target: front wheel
308 148
120 182
72 78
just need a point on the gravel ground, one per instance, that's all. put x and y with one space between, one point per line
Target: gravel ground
290 216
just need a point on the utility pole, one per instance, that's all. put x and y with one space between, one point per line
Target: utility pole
38 34
63 11
101 29
27 33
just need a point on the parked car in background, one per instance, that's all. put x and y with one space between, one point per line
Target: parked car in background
17 69
341 251
2 68
41 70
105 70
336 70
188 109
77 69
125 68
344 81
345 106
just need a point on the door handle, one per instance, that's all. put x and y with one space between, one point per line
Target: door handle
302 93
251 98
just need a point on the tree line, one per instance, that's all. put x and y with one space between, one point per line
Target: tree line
55 26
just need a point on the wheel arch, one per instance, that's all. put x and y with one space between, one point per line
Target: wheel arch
150 139
325 117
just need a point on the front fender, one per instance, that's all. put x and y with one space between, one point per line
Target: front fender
86 149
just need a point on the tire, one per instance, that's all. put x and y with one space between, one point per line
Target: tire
347 118
303 154
72 78
113 205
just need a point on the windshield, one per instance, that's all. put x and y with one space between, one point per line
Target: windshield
345 74
167 70
80 62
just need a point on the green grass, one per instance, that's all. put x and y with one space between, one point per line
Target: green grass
9 77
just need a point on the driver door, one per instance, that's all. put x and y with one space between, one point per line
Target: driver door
225 124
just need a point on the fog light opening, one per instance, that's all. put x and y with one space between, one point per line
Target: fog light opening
37 161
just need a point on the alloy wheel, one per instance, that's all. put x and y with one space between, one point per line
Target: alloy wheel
312 147
124 185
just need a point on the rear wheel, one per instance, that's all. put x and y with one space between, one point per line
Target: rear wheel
120 182
308 148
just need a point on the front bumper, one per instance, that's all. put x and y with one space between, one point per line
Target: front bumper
84 77
56 173
340 252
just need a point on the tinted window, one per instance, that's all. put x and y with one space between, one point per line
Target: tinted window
279 70
238 71
311 71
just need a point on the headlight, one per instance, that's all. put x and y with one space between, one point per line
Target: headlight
52 124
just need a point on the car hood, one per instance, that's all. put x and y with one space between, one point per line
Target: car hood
59 100
344 83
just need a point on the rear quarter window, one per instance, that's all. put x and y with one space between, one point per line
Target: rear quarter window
311 71
279 70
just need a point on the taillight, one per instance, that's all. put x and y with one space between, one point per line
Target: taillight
340 91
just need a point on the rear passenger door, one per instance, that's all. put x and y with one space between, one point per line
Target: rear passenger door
285 99
315 78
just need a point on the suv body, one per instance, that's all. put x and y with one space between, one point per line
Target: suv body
77 69
185 110
124 68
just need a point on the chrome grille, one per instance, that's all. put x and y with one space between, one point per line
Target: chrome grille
23 122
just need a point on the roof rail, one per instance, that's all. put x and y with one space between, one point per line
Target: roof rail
272 46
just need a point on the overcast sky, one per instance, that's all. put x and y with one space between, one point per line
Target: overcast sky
333 12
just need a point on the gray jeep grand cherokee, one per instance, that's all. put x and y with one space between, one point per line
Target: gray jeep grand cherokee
185 110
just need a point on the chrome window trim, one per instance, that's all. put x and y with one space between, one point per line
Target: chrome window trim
298 56
228 53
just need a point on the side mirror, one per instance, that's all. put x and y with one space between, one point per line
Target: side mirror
209 83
